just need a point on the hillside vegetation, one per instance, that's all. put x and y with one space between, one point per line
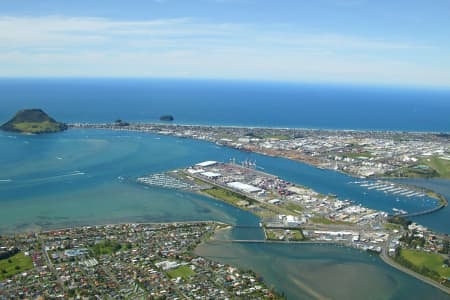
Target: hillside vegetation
34 121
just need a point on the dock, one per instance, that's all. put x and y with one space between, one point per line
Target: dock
164 180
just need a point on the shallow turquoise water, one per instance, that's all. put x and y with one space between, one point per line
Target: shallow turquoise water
321 271
72 178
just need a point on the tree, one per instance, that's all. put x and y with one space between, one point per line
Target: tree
445 247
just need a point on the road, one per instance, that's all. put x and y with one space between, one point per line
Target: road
385 257
50 263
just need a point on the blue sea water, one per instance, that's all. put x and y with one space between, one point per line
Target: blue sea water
78 161
231 103
73 178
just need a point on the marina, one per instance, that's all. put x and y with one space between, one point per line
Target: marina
163 202
390 188
164 180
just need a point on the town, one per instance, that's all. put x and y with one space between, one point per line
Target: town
287 211
124 261
358 153
293 213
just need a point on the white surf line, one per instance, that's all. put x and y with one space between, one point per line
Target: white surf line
74 173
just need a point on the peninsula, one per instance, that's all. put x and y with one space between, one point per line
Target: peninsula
34 121
290 213
362 154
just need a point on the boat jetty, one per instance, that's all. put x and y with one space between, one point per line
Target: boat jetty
164 180
391 188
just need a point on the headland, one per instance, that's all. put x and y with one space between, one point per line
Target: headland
363 154
33 121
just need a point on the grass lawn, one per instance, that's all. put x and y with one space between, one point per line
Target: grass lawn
392 226
297 235
107 247
35 127
19 263
271 235
291 235
267 209
323 220
227 196
293 207
184 272
430 260
428 168
441 166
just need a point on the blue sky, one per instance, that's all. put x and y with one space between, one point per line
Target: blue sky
352 41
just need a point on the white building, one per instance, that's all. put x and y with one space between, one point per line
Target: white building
207 163
247 188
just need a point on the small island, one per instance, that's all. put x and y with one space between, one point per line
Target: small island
33 121
121 123
166 118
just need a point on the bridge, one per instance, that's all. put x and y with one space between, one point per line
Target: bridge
424 212
274 242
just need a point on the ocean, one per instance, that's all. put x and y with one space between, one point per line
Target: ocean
85 177
231 103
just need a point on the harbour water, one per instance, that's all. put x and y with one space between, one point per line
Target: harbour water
321 271
46 178
85 177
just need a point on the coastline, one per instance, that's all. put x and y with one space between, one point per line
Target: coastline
216 198
443 201
385 259
389 261
148 128
168 237
289 127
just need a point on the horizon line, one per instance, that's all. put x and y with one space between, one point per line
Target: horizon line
243 80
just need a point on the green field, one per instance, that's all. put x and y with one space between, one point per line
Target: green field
431 261
184 272
227 196
270 235
37 127
433 167
297 235
440 165
323 220
392 226
293 207
289 235
15 264
107 247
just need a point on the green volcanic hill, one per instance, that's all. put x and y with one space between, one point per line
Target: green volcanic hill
33 121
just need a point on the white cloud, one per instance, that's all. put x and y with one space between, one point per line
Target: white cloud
68 46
